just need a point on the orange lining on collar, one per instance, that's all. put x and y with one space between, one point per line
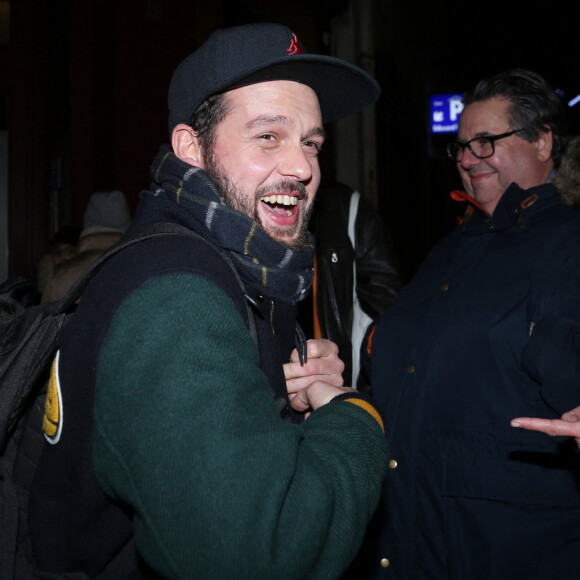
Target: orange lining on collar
459 195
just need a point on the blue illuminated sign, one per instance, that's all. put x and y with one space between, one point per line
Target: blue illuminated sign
445 111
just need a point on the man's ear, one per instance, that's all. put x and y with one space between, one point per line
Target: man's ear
186 145
544 145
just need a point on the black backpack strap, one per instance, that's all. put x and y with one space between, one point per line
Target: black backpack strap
138 234
133 236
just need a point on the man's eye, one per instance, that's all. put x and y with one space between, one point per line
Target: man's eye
313 146
267 137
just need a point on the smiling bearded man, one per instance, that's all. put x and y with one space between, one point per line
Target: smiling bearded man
191 446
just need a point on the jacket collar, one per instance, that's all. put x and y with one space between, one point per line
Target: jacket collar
517 207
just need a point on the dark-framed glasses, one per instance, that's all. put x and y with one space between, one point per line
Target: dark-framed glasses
480 147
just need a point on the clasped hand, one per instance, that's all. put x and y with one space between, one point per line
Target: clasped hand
319 380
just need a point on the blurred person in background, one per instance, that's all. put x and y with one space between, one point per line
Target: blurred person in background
106 219
355 273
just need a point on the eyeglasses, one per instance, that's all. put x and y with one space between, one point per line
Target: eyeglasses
480 147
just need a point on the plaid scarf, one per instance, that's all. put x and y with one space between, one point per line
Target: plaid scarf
186 194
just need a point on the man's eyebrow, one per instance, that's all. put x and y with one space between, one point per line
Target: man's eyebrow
477 136
266 120
317 132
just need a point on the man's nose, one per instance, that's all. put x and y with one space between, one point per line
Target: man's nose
296 163
469 159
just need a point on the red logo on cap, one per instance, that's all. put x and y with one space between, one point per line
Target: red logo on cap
294 48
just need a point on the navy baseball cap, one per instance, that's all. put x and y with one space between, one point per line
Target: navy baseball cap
254 53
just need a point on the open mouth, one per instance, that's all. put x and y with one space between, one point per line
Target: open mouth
281 203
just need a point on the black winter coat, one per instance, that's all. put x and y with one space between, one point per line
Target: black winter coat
453 361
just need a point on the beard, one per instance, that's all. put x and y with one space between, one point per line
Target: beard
294 237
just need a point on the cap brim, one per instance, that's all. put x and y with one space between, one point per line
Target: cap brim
342 89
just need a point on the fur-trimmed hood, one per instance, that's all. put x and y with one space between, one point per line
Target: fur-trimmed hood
567 179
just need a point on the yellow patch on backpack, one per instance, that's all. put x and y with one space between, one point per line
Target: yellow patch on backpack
52 422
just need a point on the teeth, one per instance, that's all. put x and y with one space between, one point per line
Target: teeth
281 199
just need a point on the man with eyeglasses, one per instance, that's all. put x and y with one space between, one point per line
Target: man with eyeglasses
487 331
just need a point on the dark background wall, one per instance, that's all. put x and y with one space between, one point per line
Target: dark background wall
84 84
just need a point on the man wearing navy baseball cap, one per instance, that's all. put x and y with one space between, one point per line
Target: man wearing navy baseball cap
220 443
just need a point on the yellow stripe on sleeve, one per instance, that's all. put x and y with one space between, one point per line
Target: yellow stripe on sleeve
368 408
